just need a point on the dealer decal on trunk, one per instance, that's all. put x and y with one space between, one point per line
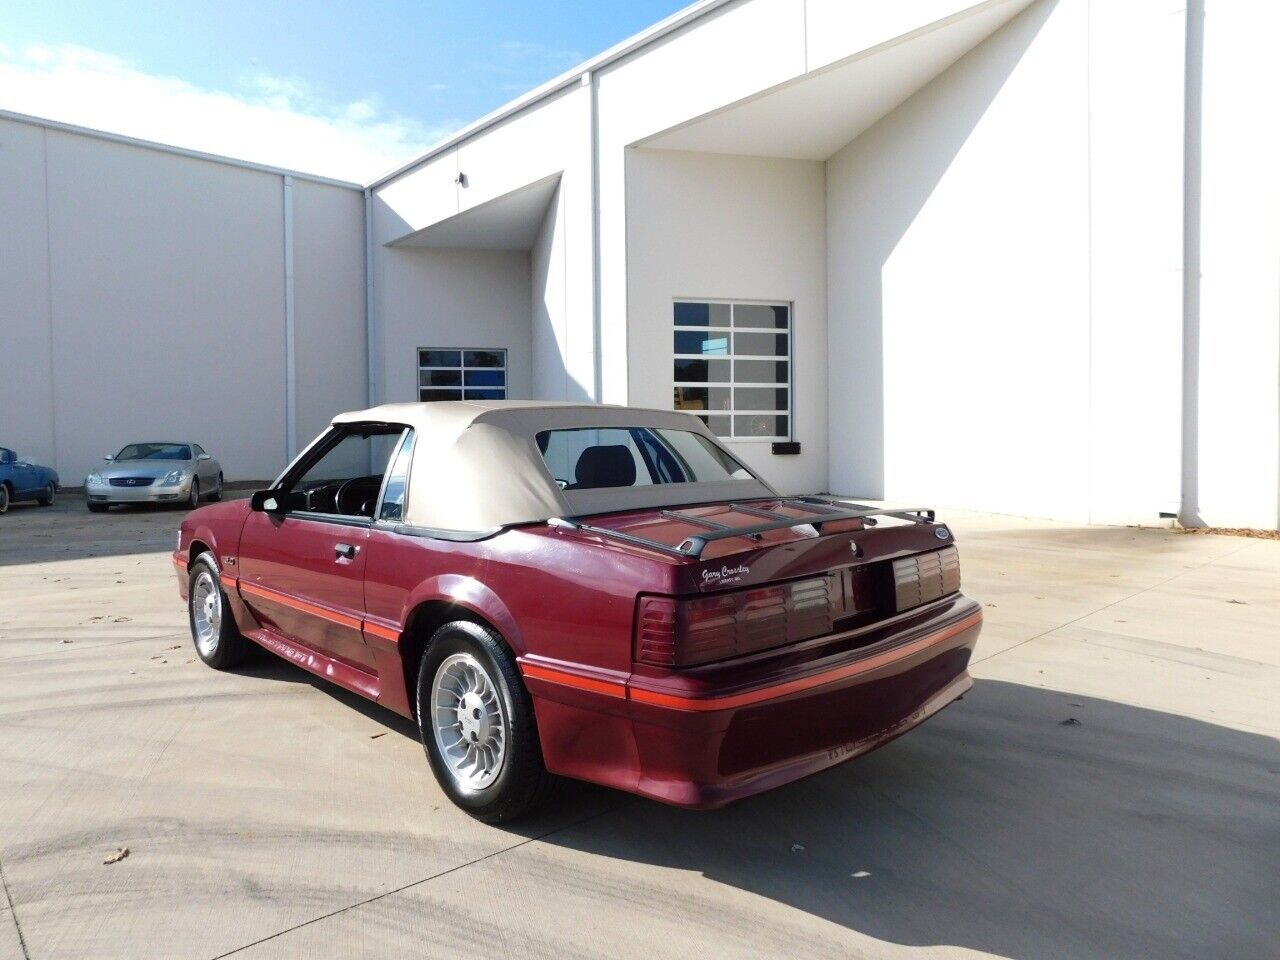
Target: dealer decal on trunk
725 574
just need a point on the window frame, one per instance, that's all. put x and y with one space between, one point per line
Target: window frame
463 368
407 439
318 450
732 383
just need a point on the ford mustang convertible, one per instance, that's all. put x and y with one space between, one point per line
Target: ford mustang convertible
596 592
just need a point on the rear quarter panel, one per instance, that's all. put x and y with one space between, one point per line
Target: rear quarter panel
551 596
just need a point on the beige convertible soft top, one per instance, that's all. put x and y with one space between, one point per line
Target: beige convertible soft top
476 464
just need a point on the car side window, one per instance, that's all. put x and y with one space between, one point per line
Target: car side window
345 474
199 449
397 484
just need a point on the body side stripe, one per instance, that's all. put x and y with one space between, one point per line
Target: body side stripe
608 688
384 633
284 599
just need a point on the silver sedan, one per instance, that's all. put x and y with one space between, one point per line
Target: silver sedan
174 473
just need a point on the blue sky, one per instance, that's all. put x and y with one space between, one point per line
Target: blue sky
341 89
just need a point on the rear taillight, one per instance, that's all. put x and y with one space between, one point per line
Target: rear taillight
673 632
925 577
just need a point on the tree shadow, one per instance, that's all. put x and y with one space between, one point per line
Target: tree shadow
996 827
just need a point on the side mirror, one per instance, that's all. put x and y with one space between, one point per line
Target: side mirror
109 457
204 456
267 501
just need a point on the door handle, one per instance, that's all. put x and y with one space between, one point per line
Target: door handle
345 551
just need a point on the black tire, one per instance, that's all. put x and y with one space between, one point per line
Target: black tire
228 647
217 493
5 498
97 507
523 782
46 498
193 501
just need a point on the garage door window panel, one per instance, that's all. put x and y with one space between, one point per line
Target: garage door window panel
462 374
732 367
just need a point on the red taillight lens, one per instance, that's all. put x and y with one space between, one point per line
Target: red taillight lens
674 632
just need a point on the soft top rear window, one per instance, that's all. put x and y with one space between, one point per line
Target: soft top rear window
593 458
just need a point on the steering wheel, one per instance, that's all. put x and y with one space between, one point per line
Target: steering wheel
352 501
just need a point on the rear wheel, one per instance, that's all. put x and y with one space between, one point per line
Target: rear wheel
46 499
98 507
477 725
213 629
217 493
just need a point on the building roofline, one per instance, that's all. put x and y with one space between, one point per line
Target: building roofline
633 43
169 148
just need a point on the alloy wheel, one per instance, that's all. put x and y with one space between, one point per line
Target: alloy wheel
206 613
468 720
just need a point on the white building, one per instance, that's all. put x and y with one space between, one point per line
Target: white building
1018 255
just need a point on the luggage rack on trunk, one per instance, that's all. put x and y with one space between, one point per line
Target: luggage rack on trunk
822 511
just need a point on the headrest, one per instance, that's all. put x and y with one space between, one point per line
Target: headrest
605 466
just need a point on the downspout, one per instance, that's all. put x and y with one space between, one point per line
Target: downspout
369 332
590 80
290 367
1189 509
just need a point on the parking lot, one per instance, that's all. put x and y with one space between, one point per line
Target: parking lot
1108 789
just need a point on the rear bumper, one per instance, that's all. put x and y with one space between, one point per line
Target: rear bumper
708 737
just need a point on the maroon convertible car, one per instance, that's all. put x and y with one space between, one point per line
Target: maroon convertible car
596 592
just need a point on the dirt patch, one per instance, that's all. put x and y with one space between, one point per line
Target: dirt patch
1235 532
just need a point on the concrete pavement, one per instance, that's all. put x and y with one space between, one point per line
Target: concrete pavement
270 815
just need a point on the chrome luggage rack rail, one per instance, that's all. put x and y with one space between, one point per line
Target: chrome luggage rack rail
822 510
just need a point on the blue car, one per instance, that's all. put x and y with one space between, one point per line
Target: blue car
20 480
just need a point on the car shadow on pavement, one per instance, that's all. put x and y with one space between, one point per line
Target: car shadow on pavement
999 826
265 666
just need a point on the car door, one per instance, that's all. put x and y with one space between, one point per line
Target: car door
205 468
9 467
24 478
301 566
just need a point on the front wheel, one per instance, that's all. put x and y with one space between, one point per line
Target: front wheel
4 498
477 725
213 629
193 501
98 507
46 499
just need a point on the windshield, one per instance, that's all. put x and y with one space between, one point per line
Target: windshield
591 458
155 451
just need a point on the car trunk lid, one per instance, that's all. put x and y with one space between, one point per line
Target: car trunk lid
777 572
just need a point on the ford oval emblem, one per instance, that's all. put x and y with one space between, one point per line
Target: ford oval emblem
941 533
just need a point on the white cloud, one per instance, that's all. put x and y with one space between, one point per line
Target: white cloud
273 120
